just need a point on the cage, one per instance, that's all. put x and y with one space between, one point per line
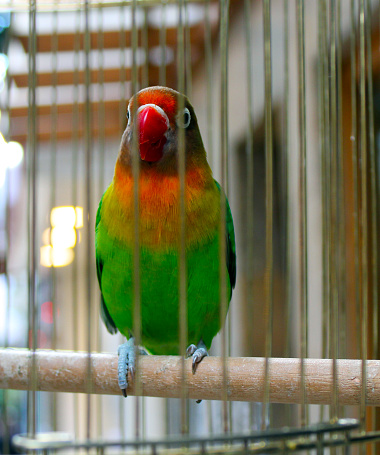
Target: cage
286 93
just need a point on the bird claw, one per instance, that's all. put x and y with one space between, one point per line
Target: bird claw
198 353
190 350
127 362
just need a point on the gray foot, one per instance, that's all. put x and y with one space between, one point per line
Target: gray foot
127 362
197 352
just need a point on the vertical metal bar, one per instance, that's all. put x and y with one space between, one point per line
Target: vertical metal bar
354 142
136 222
224 25
74 191
53 153
285 147
333 234
145 46
53 180
249 285
32 217
162 70
268 322
364 210
286 223
102 164
342 290
322 58
326 187
122 70
183 327
188 85
122 115
302 203
210 141
373 194
88 177
209 79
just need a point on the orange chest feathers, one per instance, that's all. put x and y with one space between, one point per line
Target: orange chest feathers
159 209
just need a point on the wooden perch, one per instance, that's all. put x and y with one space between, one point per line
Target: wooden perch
64 371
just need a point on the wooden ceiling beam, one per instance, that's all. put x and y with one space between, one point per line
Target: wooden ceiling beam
74 41
72 77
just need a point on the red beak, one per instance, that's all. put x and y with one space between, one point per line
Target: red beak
152 128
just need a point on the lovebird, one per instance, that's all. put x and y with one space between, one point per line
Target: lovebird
155 112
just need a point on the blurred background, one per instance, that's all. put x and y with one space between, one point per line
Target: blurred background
64 89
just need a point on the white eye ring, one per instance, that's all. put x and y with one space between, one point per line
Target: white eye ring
184 119
129 116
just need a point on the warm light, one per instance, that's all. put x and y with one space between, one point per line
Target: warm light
45 256
63 216
56 257
11 155
63 237
79 217
14 154
46 237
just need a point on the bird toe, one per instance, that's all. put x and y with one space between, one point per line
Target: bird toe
126 362
198 355
190 350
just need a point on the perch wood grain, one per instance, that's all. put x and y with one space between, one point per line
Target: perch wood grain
161 376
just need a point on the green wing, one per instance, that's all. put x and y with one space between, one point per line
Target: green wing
230 243
104 314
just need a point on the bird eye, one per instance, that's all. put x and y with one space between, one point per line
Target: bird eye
184 119
128 116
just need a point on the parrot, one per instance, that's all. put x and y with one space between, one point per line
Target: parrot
154 123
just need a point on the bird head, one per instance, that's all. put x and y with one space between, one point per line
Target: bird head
154 122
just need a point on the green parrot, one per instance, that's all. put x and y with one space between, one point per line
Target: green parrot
159 122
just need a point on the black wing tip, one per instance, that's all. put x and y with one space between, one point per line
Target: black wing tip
111 329
106 317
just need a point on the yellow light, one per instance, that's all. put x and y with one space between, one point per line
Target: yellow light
46 237
56 257
15 154
63 237
79 217
63 216
45 256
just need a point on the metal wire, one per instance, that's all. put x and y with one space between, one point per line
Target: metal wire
32 218
324 131
224 29
294 440
249 289
101 180
136 221
88 182
303 203
373 192
268 208
74 195
333 234
182 267
162 73
364 214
